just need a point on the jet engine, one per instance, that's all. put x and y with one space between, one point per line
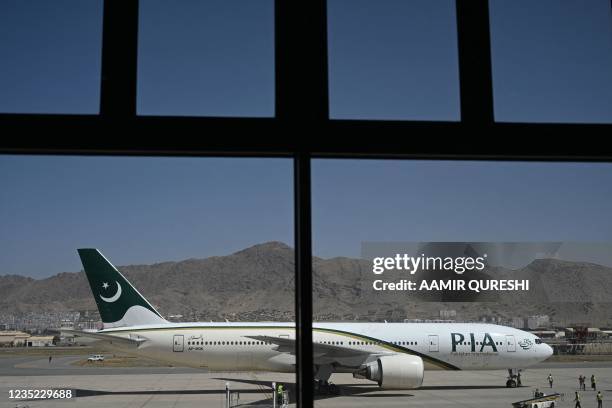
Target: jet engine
399 372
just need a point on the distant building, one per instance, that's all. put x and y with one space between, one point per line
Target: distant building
13 338
594 333
448 314
518 322
606 333
546 334
490 319
40 341
538 321
89 324
428 321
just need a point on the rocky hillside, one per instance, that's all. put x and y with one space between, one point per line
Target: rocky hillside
257 284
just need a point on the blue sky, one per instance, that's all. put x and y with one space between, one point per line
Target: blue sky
51 56
552 60
137 210
394 59
146 210
213 57
373 200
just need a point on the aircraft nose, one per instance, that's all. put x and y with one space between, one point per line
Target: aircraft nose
548 351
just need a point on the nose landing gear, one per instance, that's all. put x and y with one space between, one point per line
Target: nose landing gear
514 378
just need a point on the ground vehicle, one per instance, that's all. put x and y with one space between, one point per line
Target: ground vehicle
543 401
95 357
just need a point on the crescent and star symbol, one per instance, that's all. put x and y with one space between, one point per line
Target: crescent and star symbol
112 298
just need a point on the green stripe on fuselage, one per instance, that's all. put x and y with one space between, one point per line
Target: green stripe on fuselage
382 343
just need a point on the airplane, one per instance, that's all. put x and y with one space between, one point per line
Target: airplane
394 355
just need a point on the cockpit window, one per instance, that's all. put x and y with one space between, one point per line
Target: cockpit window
538 341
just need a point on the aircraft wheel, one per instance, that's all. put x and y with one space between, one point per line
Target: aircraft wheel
510 384
333 389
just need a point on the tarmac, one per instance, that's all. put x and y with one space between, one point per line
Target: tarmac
131 387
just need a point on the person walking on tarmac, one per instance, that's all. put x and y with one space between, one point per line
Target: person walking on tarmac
550 379
593 382
577 400
580 382
599 399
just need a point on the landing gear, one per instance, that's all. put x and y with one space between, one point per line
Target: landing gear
514 378
325 388
323 372
322 384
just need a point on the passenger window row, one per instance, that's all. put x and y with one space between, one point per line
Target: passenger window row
405 343
477 343
260 343
368 343
227 343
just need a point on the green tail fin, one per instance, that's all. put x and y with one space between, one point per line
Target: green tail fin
119 303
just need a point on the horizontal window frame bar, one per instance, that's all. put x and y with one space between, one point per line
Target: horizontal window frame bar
268 137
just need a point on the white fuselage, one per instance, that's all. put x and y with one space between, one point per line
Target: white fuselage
233 347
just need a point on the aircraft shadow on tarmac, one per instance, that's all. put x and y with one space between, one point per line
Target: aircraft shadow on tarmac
92 393
464 387
345 390
80 393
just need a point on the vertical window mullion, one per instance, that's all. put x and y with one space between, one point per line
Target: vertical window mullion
475 74
119 59
303 280
302 104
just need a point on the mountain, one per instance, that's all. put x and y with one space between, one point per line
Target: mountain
257 284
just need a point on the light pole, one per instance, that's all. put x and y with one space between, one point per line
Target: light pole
274 395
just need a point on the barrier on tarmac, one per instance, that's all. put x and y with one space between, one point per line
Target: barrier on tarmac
232 399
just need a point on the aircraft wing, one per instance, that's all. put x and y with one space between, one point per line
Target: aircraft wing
131 342
324 353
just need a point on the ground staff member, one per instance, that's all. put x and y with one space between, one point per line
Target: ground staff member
577 399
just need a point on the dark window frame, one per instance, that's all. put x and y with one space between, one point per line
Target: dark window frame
302 110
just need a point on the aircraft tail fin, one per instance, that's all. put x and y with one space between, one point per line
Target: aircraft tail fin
119 303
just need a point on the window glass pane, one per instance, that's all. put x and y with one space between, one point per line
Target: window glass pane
552 60
394 59
51 54
546 223
206 58
206 241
